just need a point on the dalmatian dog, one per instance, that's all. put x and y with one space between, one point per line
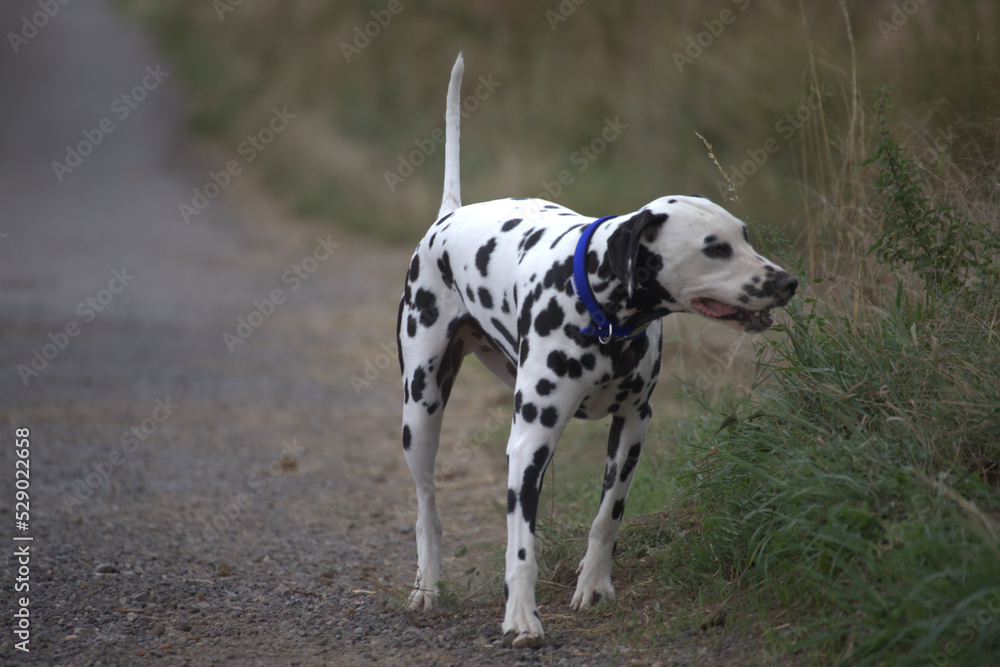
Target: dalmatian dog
566 310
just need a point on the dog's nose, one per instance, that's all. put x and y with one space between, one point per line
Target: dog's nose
785 285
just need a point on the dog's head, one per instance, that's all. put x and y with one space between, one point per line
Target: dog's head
693 256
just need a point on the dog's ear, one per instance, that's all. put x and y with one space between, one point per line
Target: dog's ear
624 243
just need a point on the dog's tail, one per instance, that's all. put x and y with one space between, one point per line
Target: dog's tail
452 197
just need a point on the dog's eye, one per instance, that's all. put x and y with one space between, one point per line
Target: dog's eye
718 251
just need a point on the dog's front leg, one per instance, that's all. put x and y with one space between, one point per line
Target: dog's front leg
529 451
624 446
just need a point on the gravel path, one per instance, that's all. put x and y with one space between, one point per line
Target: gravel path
212 405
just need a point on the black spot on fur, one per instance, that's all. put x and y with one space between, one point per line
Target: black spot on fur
505 333
560 276
549 319
511 501
443 218
407 437
549 417
524 319
530 239
399 330
470 294
426 304
561 236
448 370
631 460
414 271
557 362
522 554
618 510
624 363
610 472
615 436
529 411
483 257
485 298
531 485
544 387
418 384
411 326
444 266
525 348
511 224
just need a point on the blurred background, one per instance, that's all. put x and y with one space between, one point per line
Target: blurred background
864 507
773 82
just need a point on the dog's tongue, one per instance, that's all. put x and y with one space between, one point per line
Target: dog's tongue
713 308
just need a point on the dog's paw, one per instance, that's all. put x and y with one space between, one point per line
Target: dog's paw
521 626
423 598
591 588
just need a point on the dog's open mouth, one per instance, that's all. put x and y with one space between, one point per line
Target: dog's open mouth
752 321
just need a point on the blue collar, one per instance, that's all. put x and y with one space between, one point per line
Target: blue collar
605 329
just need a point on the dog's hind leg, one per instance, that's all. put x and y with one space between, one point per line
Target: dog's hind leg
430 360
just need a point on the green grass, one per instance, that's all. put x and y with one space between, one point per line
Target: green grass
846 509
